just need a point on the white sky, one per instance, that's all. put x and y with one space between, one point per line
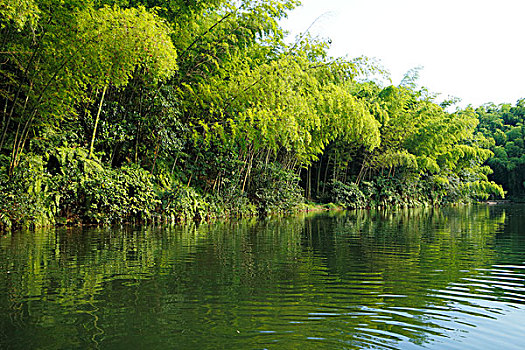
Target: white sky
471 49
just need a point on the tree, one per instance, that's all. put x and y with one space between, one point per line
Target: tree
505 125
78 51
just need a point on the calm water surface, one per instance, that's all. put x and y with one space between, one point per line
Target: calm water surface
450 278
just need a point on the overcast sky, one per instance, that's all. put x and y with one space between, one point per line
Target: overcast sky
474 50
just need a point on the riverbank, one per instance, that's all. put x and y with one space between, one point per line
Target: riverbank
69 189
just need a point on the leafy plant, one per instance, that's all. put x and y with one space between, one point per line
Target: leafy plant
347 195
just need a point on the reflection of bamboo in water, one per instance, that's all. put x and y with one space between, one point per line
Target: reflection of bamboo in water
17 314
99 330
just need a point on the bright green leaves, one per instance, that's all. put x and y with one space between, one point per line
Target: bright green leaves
394 159
60 69
116 42
423 129
483 189
210 92
217 36
19 12
285 103
505 124
419 138
347 118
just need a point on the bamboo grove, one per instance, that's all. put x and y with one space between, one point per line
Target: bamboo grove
147 110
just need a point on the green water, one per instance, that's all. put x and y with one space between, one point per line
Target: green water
433 278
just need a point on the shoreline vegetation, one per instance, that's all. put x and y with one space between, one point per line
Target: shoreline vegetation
141 111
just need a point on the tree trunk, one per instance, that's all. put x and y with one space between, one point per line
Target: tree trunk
319 167
96 122
326 172
248 171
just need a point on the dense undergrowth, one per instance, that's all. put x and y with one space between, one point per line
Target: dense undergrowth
66 187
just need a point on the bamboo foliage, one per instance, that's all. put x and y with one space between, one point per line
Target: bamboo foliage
78 51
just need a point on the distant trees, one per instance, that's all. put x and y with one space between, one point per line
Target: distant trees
504 125
424 154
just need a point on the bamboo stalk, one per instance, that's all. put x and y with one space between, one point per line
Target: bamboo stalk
248 171
96 121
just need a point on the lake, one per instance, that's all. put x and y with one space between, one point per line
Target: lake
448 278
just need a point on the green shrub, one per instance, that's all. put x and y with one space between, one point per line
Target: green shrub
274 189
90 192
231 203
118 195
27 199
346 195
182 202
